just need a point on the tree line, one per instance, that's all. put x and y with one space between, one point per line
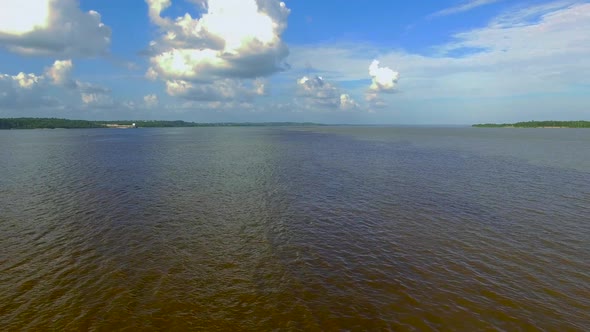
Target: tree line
537 124
46 123
53 123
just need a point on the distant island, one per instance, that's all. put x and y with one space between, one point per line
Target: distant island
537 124
54 123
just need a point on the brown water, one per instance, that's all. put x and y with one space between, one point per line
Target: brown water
271 228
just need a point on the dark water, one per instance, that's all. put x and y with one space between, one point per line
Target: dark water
312 229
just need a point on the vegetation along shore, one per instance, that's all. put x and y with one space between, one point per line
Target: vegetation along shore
54 123
537 124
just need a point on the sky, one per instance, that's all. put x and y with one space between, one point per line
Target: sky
356 62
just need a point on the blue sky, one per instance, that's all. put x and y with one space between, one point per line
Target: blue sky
379 62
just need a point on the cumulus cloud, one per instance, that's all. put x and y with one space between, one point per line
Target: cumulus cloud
59 72
347 103
56 74
52 27
23 91
384 79
320 93
529 49
19 81
26 81
535 49
33 90
232 39
151 101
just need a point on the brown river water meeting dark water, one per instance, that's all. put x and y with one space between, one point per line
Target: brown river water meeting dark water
311 229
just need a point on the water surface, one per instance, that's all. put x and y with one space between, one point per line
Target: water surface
332 228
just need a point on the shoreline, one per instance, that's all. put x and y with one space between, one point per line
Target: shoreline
538 124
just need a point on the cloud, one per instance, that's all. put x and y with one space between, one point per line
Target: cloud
26 81
60 75
220 90
54 88
541 32
24 91
375 101
384 79
347 103
30 82
464 7
19 81
538 54
52 27
97 100
234 38
151 101
259 87
537 49
59 72
318 93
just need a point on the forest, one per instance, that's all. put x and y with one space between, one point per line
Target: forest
53 123
537 124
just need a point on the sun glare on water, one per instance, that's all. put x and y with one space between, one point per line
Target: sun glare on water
22 16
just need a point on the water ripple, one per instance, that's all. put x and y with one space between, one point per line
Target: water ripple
264 229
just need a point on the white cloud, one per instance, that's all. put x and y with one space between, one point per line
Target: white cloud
24 90
60 75
259 87
27 81
155 7
52 27
18 17
542 49
463 7
21 81
375 101
60 71
522 65
89 98
557 30
151 101
97 100
384 79
234 38
320 94
53 88
56 74
347 103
